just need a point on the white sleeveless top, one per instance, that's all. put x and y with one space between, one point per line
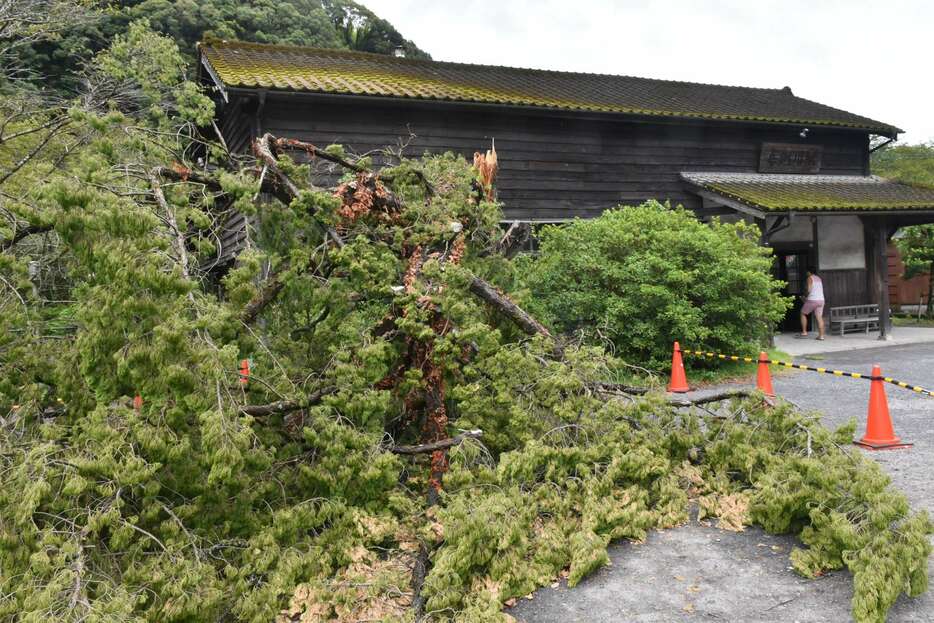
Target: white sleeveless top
817 289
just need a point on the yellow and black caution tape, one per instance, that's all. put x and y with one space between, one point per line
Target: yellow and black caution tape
800 366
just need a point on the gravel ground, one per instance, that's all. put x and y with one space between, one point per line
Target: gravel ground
699 573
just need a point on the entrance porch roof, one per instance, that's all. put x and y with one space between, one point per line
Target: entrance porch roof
761 194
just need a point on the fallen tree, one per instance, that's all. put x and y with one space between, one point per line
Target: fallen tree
346 477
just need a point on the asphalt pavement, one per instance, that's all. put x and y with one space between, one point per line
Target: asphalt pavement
699 573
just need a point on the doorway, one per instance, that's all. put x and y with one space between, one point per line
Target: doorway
791 267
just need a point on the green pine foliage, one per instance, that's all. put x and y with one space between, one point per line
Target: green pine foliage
341 24
552 506
637 278
187 506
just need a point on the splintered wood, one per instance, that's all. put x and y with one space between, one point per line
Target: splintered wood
487 167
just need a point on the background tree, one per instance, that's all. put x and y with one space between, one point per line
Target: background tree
320 23
916 246
912 164
637 278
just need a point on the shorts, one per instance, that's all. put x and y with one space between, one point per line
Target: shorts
816 307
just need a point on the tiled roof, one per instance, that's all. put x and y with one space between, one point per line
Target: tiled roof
293 68
786 193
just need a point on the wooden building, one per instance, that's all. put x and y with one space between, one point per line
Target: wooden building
906 293
572 145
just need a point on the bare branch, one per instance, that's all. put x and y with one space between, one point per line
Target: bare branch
178 237
437 445
512 241
287 406
19 164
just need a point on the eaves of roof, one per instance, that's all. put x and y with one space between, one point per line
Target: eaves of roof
782 193
239 65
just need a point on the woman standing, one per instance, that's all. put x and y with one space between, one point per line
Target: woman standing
814 303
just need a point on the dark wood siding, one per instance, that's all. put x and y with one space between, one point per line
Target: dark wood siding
552 167
236 124
846 287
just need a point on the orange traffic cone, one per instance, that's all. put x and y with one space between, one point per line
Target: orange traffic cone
763 378
879 432
679 381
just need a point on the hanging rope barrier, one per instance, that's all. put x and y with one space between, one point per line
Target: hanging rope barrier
800 366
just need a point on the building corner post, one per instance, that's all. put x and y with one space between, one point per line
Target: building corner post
882 278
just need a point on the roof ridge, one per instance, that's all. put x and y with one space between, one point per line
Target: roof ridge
232 43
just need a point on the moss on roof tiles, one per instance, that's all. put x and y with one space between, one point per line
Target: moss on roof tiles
796 193
293 68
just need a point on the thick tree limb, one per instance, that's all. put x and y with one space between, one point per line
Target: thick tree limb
264 297
187 175
286 406
21 233
716 397
314 152
437 445
286 190
262 147
273 408
504 305
419 573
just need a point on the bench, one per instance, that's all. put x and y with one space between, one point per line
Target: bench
859 316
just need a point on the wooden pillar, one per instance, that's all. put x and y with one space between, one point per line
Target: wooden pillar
882 276
762 224
815 244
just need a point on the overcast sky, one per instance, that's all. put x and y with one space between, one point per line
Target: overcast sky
873 58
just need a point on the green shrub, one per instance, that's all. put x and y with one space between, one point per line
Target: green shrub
642 277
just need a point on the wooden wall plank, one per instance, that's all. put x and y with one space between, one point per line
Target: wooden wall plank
551 168
845 287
